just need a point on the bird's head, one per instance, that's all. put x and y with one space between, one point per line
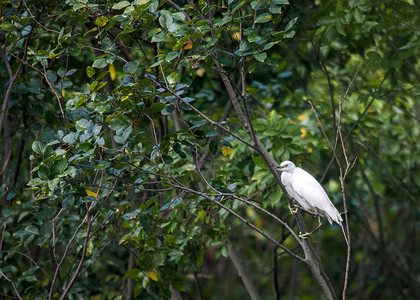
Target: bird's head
286 166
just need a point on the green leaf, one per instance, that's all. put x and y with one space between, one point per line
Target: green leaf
238 5
180 43
167 159
213 146
158 63
132 274
90 71
121 5
82 125
212 134
7 26
274 9
102 165
244 45
264 18
198 122
223 21
39 147
145 223
291 23
260 56
43 171
32 229
167 110
73 49
70 72
358 15
290 34
61 72
100 63
51 76
269 45
101 21
253 64
123 136
174 202
226 62
174 77
171 56
85 146
160 37
165 19
35 85
61 164
131 67
373 55
132 215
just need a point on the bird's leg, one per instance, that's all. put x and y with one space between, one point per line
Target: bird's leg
304 235
308 234
319 225
294 209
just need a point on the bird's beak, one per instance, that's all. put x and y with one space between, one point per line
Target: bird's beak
278 168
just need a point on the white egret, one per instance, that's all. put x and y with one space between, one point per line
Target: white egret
308 192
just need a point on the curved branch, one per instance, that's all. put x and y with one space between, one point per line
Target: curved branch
243 220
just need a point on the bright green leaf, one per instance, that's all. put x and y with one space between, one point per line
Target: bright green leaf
121 5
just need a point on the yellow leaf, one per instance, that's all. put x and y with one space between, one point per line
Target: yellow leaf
292 122
259 223
250 212
309 150
188 45
380 75
46 281
304 132
226 150
90 193
126 97
302 117
153 275
236 36
200 72
112 72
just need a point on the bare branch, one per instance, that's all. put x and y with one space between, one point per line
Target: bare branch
243 220
242 273
12 283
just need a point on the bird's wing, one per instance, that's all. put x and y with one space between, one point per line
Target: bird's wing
288 181
307 187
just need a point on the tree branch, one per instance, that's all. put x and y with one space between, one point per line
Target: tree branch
243 274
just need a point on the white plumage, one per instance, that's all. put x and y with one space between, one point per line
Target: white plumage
307 191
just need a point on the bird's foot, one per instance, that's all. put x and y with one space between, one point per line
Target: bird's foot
304 235
293 209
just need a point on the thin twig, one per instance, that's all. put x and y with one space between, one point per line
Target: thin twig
243 220
53 233
213 123
339 138
82 259
12 283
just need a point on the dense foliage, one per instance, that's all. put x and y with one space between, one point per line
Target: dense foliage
137 138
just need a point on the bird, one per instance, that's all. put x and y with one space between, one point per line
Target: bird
308 192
